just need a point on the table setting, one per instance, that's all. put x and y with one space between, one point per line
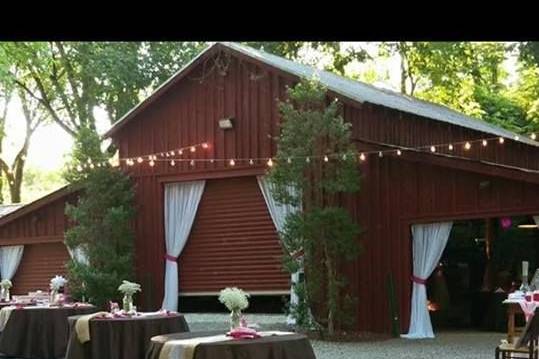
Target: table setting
120 333
38 329
241 341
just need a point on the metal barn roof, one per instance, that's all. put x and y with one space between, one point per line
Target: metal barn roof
354 90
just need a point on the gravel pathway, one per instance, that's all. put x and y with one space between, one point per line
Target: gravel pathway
458 344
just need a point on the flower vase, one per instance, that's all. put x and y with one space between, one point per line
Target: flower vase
53 296
128 303
4 295
235 319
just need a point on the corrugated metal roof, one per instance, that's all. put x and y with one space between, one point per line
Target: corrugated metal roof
8 208
354 90
363 92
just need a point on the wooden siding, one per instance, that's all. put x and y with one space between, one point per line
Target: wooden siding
233 242
395 192
40 262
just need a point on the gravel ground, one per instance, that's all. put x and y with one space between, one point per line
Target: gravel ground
457 344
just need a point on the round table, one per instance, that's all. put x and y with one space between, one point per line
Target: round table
289 346
39 332
122 338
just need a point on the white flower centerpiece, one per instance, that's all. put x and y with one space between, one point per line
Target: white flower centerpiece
6 285
57 283
235 300
128 289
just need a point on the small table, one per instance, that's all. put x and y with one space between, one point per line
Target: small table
290 346
39 332
122 338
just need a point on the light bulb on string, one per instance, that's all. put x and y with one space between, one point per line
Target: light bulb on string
173 163
533 136
180 152
326 159
139 160
399 152
344 157
251 162
501 140
212 160
308 159
517 137
450 147
289 160
152 163
192 163
232 162
484 143
380 154
193 149
362 157
467 145
205 145
270 163
432 149
92 166
79 168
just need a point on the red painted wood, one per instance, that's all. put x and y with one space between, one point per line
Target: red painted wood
39 263
233 241
395 192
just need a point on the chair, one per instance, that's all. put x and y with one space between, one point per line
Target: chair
527 344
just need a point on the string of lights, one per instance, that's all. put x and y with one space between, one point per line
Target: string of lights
174 156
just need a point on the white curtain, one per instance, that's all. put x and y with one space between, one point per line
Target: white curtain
536 220
78 254
429 241
278 213
181 204
10 257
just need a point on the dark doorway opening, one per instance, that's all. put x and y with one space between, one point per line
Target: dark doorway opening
480 265
267 304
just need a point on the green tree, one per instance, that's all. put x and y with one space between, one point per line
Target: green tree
72 79
101 220
339 54
323 231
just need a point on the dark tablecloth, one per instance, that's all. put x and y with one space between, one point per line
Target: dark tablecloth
39 332
293 346
125 338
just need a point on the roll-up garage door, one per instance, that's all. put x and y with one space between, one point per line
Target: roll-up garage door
233 242
39 263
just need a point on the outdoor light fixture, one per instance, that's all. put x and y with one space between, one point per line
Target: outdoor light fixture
226 123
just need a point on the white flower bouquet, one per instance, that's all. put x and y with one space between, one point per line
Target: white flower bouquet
6 284
129 288
57 282
234 299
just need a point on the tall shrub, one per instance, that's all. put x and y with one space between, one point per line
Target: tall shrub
101 223
315 157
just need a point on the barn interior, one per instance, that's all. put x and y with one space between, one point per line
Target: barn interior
481 263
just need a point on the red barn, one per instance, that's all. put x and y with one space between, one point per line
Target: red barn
233 240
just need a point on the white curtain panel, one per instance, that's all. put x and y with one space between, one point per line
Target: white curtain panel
429 241
536 220
10 257
181 204
78 254
278 213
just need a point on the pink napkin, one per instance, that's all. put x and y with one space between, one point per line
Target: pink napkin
528 308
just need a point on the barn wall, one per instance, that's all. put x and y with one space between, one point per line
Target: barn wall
395 193
41 231
233 242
